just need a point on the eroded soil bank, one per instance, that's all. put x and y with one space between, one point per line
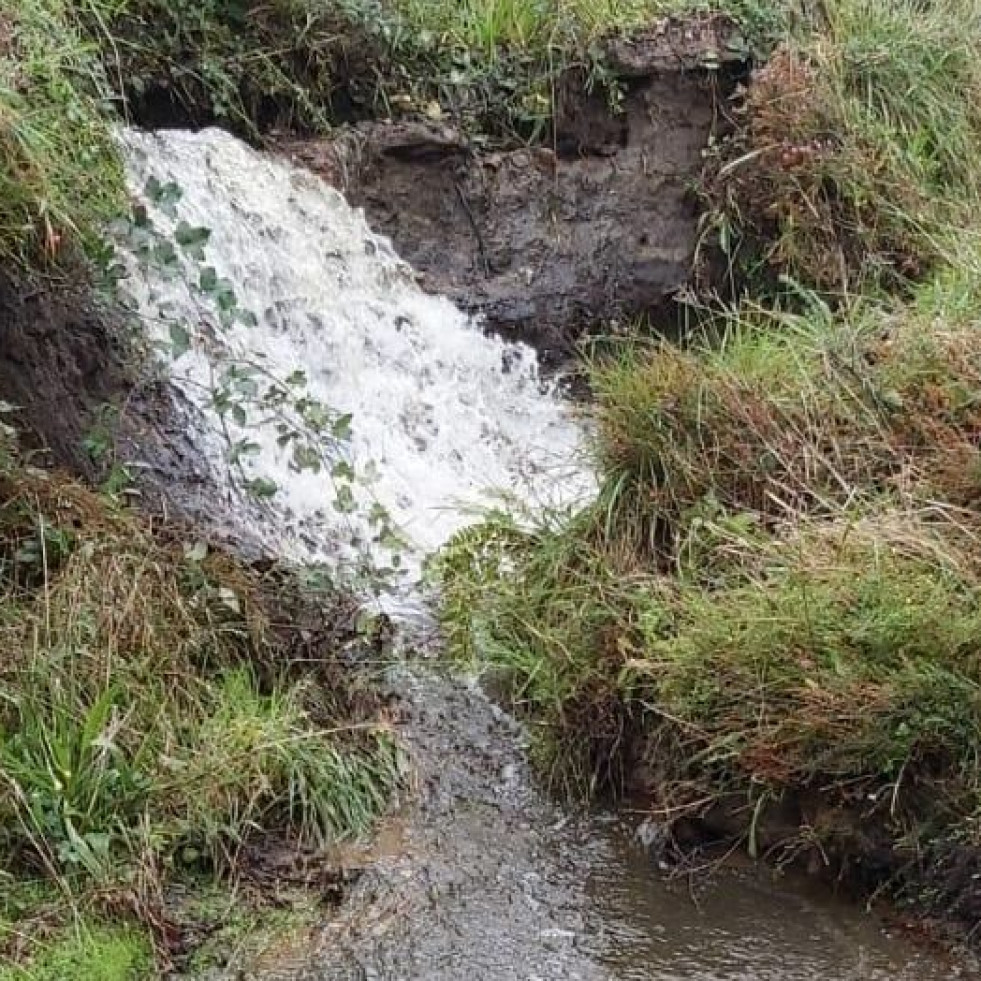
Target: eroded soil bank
599 225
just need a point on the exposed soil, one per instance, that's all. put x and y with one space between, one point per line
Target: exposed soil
69 372
60 361
547 242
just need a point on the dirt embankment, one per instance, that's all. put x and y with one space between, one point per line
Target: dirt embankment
550 241
60 361
74 380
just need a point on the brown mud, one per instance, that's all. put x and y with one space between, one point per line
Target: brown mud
548 242
61 360
72 375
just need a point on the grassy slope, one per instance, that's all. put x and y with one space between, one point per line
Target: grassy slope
153 723
59 176
775 596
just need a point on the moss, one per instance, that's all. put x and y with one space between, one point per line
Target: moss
87 952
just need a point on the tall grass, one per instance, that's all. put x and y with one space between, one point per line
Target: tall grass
152 723
857 156
776 593
59 175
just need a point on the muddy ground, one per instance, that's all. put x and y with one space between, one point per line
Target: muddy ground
60 360
551 241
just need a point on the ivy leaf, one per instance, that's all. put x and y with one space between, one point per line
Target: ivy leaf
241 448
192 239
344 502
262 488
208 280
342 470
306 457
164 195
165 254
180 340
342 426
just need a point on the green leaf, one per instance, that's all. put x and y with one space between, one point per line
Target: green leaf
342 426
306 457
208 281
180 340
262 488
227 300
165 254
192 239
242 448
344 502
342 470
164 195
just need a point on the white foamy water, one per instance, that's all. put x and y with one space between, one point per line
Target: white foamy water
323 321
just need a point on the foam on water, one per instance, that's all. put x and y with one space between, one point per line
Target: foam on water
443 417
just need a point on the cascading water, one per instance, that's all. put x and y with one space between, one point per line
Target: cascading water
347 415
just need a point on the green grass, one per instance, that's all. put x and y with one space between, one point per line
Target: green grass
87 952
856 160
59 175
153 725
776 592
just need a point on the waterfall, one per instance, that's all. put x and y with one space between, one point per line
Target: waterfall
347 416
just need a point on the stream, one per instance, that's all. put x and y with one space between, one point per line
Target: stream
348 419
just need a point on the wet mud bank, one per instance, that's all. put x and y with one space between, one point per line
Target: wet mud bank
598 224
61 360
843 844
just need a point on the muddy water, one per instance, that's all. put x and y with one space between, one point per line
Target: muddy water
486 880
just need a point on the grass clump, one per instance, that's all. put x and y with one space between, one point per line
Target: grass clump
153 723
857 152
775 596
59 175
788 413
